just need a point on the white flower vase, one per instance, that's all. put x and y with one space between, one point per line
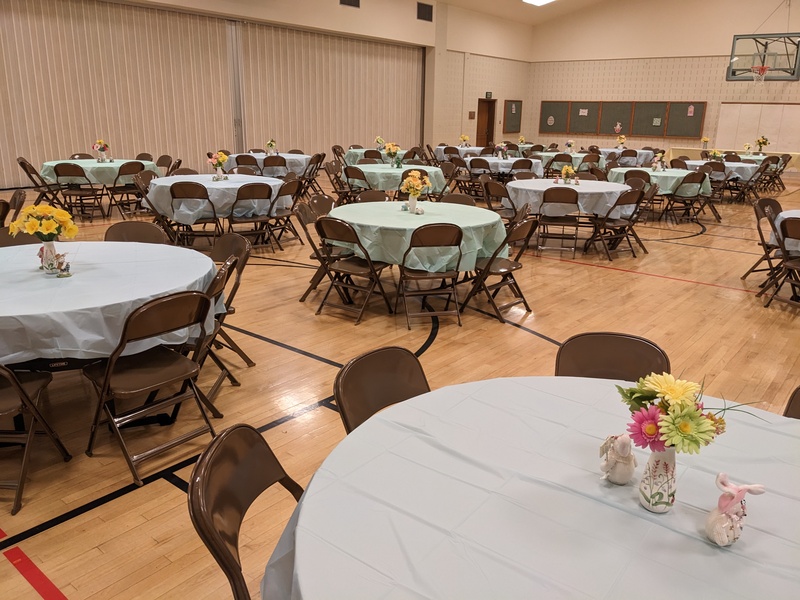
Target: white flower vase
50 258
412 204
101 157
705 145
219 175
657 488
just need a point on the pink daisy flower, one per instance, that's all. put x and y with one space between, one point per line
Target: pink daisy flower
644 429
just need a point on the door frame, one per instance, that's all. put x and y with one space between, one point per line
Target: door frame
488 106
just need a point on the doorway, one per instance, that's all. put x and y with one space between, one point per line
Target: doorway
485 133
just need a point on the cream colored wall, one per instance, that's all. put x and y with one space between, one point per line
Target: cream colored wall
479 33
636 29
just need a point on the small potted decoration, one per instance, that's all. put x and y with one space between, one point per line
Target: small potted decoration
414 185
464 140
47 223
761 142
102 149
217 161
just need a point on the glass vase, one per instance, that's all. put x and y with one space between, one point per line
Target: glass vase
657 488
49 258
101 157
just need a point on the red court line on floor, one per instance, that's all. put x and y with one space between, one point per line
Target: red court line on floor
716 285
38 580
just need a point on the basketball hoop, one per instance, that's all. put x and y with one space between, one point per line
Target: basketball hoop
759 73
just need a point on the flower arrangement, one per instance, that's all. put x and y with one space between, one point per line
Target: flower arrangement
391 149
100 146
379 140
463 138
501 150
621 139
715 154
45 222
522 139
705 140
567 172
747 148
570 145
415 183
761 142
217 160
668 413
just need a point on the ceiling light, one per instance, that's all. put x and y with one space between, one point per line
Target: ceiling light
538 2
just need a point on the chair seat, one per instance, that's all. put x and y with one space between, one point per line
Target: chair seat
501 266
356 266
336 252
420 274
570 220
134 374
31 382
251 219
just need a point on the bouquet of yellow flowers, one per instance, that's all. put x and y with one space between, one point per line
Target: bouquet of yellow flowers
415 183
463 138
567 172
705 140
761 142
379 140
217 160
621 139
100 146
45 222
522 139
715 154
391 149
747 147
271 144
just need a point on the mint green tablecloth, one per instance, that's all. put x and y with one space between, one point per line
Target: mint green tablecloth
668 181
387 178
576 159
353 155
385 231
104 173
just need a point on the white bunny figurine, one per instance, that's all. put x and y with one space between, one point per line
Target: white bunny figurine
724 524
619 462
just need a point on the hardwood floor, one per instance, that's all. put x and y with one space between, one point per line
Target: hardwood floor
96 535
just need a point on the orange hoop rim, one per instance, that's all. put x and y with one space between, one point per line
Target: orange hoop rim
760 70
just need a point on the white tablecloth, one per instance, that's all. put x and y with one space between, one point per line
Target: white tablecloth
577 158
732 169
594 197
643 157
105 172
42 316
503 165
353 155
492 489
385 231
792 245
221 193
388 178
296 163
462 150
667 180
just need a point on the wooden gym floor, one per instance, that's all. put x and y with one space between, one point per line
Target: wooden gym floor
85 531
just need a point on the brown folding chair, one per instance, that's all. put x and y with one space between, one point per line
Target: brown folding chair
307 215
280 218
558 162
144 156
309 176
15 204
604 355
81 156
356 181
611 231
788 269
372 196
768 248
5 208
375 380
321 204
123 192
445 240
174 167
275 166
497 266
344 271
136 231
493 194
374 154
19 397
164 162
252 207
21 239
257 151
637 174
563 227
250 161
80 196
792 409
685 202
236 468
194 197
629 158
184 171
458 199
678 163
127 378
333 170
243 171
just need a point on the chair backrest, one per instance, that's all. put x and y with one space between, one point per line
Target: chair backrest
678 163
184 171
560 195
640 173
627 153
225 152
238 246
522 175
295 151
732 157
372 153
81 156
586 175
458 199
591 158
599 173
372 196
243 171
368 161
164 161
355 178
522 164
248 160
129 168
605 355
291 188
236 468
690 186
256 151
538 148
175 166
274 161
321 204
437 235
188 189
136 231
636 183
793 406
71 171
356 147
21 239
5 208
144 156
375 380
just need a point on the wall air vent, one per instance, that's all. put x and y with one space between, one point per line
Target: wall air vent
355 3
424 11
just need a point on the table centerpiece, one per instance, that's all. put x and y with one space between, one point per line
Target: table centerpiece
761 142
464 140
621 139
102 148
392 150
414 185
705 141
217 160
272 147
47 223
379 142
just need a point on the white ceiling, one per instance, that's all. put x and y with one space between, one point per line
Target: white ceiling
517 10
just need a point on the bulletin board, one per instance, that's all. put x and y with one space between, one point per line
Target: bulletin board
612 113
512 116
554 117
649 118
685 119
584 117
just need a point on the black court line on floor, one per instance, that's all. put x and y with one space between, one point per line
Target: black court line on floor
283 260
707 247
285 346
518 326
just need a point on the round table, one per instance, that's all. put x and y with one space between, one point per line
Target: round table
577 158
492 489
667 180
462 150
296 163
643 157
732 169
388 178
42 316
96 172
222 195
503 165
594 197
353 155
385 231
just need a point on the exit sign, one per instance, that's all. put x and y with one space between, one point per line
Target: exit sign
488 95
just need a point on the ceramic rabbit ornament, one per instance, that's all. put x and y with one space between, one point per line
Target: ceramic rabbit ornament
724 524
619 463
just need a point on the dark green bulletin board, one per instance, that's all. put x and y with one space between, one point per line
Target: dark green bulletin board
554 117
649 118
686 119
613 113
584 117
512 116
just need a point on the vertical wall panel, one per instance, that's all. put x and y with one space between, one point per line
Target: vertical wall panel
144 80
310 90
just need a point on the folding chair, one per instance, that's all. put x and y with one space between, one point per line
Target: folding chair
81 197
122 193
46 191
788 269
605 355
192 197
768 248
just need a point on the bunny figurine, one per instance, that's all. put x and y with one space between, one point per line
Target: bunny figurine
724 524
619 462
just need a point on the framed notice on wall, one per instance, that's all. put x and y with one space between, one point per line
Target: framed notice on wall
512 116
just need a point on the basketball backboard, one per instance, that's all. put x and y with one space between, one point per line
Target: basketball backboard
774 55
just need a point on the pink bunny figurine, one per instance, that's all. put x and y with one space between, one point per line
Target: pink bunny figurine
724 524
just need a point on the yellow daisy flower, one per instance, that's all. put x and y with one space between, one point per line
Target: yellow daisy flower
677 392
